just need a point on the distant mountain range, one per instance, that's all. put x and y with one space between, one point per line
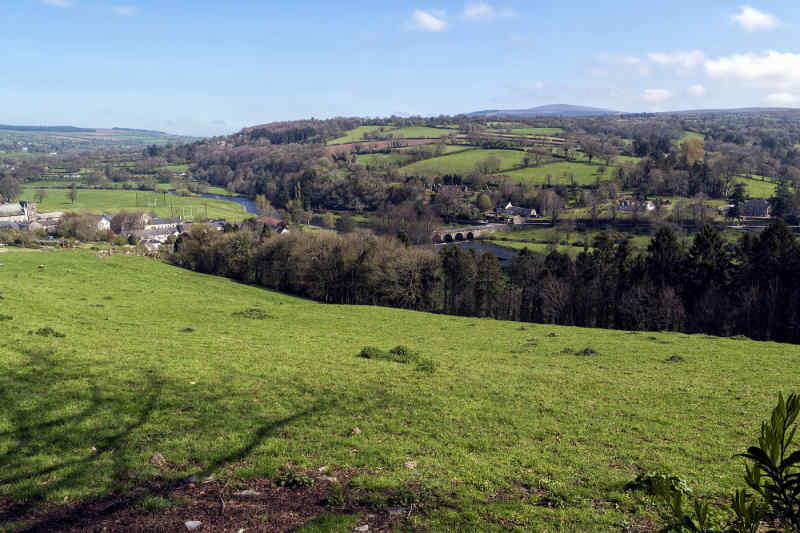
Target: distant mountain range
566 110
554 110
73 129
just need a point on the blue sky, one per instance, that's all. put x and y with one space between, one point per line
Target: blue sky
211 67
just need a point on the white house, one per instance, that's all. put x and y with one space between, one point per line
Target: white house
104 223
17 212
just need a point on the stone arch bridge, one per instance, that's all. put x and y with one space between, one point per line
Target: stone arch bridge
466 233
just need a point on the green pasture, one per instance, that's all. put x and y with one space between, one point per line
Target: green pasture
462 162
112 201
584 173
758 186
420 132
511 431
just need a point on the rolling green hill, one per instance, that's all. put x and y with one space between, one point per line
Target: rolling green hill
512 429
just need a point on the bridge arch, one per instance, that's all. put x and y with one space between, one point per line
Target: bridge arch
470 236
459 236
448 238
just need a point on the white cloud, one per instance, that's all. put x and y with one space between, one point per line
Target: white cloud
782 99
697 90
685 60
656 95
58 3
485 11
772 70
752 19
627 62
125 11
428 21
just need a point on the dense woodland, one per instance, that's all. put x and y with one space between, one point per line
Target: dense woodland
751 288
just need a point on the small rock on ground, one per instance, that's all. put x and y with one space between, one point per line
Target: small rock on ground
158 460
356 431
365 527
247 493
191 525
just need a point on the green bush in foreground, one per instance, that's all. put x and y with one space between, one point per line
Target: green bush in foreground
773 474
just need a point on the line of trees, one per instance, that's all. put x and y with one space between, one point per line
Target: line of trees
750 288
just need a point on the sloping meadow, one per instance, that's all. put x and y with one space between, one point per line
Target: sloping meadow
108 363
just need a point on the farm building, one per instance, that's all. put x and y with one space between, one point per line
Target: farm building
17 212
512 214
756 207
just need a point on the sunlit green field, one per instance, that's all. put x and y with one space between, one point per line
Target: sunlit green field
509 432
409 132
757 187
357 134
562 173
463 162
113 201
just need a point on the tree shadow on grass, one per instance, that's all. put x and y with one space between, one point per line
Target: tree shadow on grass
48 445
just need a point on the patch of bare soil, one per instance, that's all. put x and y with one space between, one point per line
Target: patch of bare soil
257 507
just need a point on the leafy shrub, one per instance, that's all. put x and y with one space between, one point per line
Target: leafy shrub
675 358
653 482
426 365
370 352
254 313
588 352
336 496
187 330
773 473
49 332
398 354
6 317
290 478
401 354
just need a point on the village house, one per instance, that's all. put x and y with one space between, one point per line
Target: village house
276 225
756 207
628 204
47 221
162 224
20 213
513 215
104 223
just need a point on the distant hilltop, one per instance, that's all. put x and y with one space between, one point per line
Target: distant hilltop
554 110
48 129
573 111
73 129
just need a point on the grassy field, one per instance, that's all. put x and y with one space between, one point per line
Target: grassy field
113 201
757 187
542 236
357 134
379 160
448 148
585 174
508 432
690 135
538 131
462 162
410 132
420 132
538 247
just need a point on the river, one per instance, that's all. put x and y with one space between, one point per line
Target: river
248 204
504 255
